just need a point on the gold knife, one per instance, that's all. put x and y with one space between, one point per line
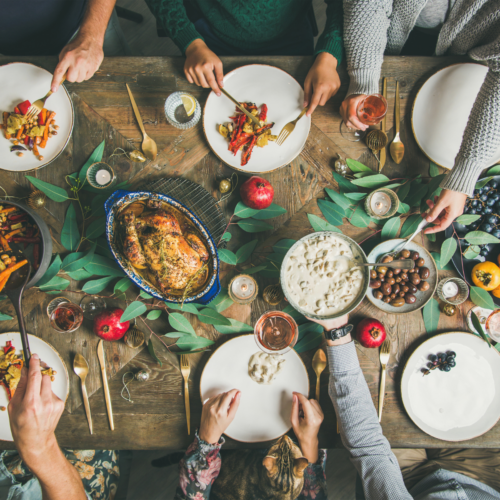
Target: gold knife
102 361
383 152
241 108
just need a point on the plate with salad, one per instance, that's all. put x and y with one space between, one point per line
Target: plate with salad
31 144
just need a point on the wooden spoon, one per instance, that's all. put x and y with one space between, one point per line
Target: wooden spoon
318 364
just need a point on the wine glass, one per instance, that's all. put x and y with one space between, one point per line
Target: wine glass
369 111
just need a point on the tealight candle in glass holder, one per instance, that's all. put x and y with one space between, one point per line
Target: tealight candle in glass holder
243 289
453 291
100 175
382 203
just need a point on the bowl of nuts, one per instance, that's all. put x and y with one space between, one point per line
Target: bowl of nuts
399 291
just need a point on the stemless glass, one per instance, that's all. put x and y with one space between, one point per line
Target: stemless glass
370 111
176 113
66 317
276 332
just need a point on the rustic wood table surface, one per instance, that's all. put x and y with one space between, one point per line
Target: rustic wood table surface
156 419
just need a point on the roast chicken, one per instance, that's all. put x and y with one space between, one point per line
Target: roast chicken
170 255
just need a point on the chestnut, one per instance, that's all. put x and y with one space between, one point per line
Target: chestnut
401 294
423 286
420 262
386 288
405 254
391 281
375 283
395 288
398 279
410 298
414 255
415 278
387 258
396 271
392 295
412 288
373 274
424 273
404 277
378 294
398 302
386 299
381 269
404 289
381 275
390 273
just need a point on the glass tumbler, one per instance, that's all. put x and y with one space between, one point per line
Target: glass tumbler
176 113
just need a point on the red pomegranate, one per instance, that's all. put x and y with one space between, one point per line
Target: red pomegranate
257 193
370 333
107 324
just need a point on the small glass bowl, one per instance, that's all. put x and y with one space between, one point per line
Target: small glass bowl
460 297
93 177
66 317
172 104
392 210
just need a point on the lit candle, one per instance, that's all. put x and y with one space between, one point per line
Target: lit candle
103 177
450 289
243 287
380 203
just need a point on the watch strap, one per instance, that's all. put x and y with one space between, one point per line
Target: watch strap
338 333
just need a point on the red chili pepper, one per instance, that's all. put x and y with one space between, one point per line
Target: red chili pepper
248 151
26 140
238 131
21 239
264 128
16 110
36 256
244 139
17 217
23 107
263 113
8 347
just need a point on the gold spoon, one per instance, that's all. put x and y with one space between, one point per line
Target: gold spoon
318 364
149 147
81 368
397 148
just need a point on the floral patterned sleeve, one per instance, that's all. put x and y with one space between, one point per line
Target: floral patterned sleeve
198 470
315 480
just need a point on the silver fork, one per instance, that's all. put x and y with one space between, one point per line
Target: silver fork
288 128
385 354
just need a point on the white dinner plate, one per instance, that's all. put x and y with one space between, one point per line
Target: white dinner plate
442 108
50 356
22 81
264 411
461 404
260 84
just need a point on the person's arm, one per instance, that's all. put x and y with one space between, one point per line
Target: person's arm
34 413
315 479
83 55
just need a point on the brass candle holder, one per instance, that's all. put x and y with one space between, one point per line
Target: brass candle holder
382 203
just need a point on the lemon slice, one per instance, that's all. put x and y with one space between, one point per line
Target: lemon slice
189 104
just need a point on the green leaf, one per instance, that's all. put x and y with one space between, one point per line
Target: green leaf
433 169
243 211
344 184
70 235
71 257
332 212
482 182
480 238
431 236
391 228
97 205
243 253
416 195
212 317
189 308
101 266
176 335
298 317
448 248
467 219
77 265
275 257
96 228
311 341
356 196
227 256
152 352
271 211
145 295
96 286
481 298
180 323
319 224
188 342
360 218
252 270
226 236
5 317
81 274
431 313
55 193
403 191
340 199
437 259
363 174
471 252
94 157
235 327
135 309
102 248
123 285
52 270
410 225
494 170
56 283
221 302
282 246
305 328
477 325
254 226
433 185
373 181
356 166
270 272
390 186
403 208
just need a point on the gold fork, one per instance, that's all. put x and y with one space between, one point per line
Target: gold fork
288 128
185 370
36 108
385 353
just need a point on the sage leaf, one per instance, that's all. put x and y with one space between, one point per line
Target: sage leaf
340 199
360 218
96 286
221 302
212 317
56 283
188 342
344 184
241 210
96 228
102 266
235 327
282 246
252 270
433 169
154 314
318 224
410 225
271 211
227 256
356 166
477 325
52 270
311 341
243 253
448 249
226 236
180 323
70 235
480 238
55 193
391 228
135 309
481 298
152 352
332 212
373 181
356 196
5 317
254 226
94 157
189 308
430 313
122 286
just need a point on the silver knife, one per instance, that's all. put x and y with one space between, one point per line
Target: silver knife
102 361
241 108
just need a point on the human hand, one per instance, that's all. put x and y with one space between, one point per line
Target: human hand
34 413
322 82
80 59
348 111
306 420
218 412
444 210
200 66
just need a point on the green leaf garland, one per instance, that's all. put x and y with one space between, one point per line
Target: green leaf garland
180 323
96 228
52 270
391 228
341 199
152 352
477 325
282 246
480 238
135 309
55 193
212 317
431 314
467 219
433 169
235 327
221 302
319 224
410 225
243 253
271 211
227 256
481 298
356 166
70 235
333 213
360 218
94 158
344 184
372 181
448 249
102 266
243 211
254 226
96 286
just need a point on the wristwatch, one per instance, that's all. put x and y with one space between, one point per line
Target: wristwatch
338 333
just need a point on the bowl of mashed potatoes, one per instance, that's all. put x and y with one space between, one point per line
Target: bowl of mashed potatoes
319 276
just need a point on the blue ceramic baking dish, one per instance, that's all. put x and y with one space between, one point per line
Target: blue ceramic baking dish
122 198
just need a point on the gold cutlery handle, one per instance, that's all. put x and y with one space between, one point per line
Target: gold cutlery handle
383 123
87 406
188 408
108 399
317 387
396 110
136 110
241 108
381 394
301 115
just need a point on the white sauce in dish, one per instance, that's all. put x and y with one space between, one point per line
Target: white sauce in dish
320 275
264 367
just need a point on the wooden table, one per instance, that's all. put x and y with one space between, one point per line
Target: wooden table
156 419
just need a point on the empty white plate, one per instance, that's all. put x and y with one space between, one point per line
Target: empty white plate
260 84
264 411
442 108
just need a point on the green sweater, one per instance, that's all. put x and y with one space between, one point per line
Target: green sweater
248 24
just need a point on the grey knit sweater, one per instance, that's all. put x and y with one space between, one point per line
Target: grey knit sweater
372 27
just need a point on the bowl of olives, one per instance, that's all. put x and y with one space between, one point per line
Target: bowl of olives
399 291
